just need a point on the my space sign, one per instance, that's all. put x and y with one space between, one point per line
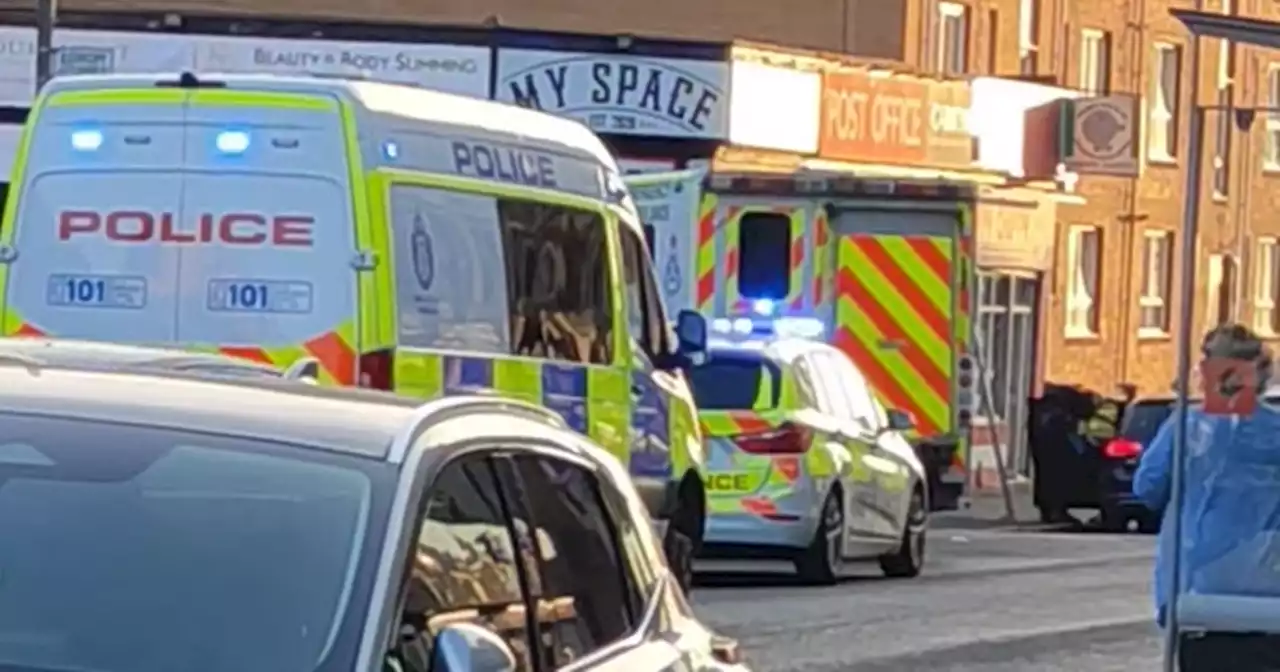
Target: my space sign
613 93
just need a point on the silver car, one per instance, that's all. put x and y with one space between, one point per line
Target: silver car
96 355
156 522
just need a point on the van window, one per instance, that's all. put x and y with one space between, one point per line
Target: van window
764 255
645 320
498 275
650 239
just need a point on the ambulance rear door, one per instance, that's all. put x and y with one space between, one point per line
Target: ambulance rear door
101 190
268 196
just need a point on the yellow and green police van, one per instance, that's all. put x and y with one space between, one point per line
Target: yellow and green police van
406 239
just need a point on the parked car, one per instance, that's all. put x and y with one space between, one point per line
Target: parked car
804 463
77 354
155 521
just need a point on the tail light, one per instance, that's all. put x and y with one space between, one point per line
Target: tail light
375 370
1122 449
785 439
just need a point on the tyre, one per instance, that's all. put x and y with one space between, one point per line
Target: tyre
1113 519
908 560
821 562
684 536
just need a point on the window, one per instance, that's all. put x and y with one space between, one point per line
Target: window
1162 135
861 404
1095 62
1224 119
952 57
645 319
764 255
993 41
832 398
1271 156
1157 273
586 595
1084 256
650 239
464 567
1266 287
450 251
736 381
1028 28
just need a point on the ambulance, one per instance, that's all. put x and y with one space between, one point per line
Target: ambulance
882 264
406 239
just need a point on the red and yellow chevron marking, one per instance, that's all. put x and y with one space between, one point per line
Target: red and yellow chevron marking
893 318
337 358
732 232
796 297
822 232
706 259
734 423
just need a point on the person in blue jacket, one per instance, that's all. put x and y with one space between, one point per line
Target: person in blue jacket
1230 507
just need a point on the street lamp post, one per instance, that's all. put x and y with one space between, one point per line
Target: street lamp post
46 17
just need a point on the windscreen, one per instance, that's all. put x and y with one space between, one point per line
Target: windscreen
738 381
1143 419
187 223
148 550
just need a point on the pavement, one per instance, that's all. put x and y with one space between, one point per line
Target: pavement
994 599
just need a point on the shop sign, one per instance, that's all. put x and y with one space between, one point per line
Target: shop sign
453 68
756 119
950 140
1015 235
619 93
873 118
1103 131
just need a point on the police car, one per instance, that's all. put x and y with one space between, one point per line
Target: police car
804 463
162 521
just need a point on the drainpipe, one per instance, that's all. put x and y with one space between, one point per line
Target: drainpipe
1138 55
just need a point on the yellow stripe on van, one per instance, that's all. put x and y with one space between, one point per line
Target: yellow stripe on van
157 96
289 101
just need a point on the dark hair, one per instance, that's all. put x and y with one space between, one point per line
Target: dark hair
1238 342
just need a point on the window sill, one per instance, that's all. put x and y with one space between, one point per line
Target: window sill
1162 161
1271 169
1080 334
1153 334
1220 197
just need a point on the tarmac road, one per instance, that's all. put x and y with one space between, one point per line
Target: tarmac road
996 601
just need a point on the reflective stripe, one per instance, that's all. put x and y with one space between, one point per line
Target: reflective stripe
732 236
796 291
897 290
821 255
706 260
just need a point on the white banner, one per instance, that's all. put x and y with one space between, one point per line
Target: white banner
452 68
618 93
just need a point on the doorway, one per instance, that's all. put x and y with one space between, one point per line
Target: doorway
1006 345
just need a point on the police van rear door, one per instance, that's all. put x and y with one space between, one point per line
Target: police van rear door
268 188
102 185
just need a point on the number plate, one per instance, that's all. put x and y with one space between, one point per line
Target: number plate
259 296
96 291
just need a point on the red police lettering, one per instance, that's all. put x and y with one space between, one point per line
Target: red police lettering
237 228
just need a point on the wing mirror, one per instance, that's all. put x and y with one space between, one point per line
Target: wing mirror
691 336
467 647
306 370
900 421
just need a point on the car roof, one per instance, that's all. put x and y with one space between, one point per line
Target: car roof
357 422
94 354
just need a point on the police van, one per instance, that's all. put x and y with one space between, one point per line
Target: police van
406 239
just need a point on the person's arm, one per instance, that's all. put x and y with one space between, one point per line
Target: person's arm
1153 479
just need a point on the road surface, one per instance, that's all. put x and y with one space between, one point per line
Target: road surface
995 601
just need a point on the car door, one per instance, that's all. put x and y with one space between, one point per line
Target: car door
885 462
590 602
461 566
861 496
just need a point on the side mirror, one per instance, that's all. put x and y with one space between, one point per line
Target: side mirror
691 334
900 421
467 647
306 370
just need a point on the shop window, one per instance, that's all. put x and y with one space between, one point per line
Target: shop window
1157 276
1084 273
764 255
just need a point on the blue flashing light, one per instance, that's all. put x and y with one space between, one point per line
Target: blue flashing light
742 330
762 306
391 150
232 142
86 140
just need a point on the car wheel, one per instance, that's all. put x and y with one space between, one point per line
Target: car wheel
1113 519
908 560
684 537
821 563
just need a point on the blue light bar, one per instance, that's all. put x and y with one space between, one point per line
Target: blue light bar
762 306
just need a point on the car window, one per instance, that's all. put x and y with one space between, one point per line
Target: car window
500 275
735 381
645 319
806 385
861 405
1143 419
834 399
154 550
585 599
463 567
